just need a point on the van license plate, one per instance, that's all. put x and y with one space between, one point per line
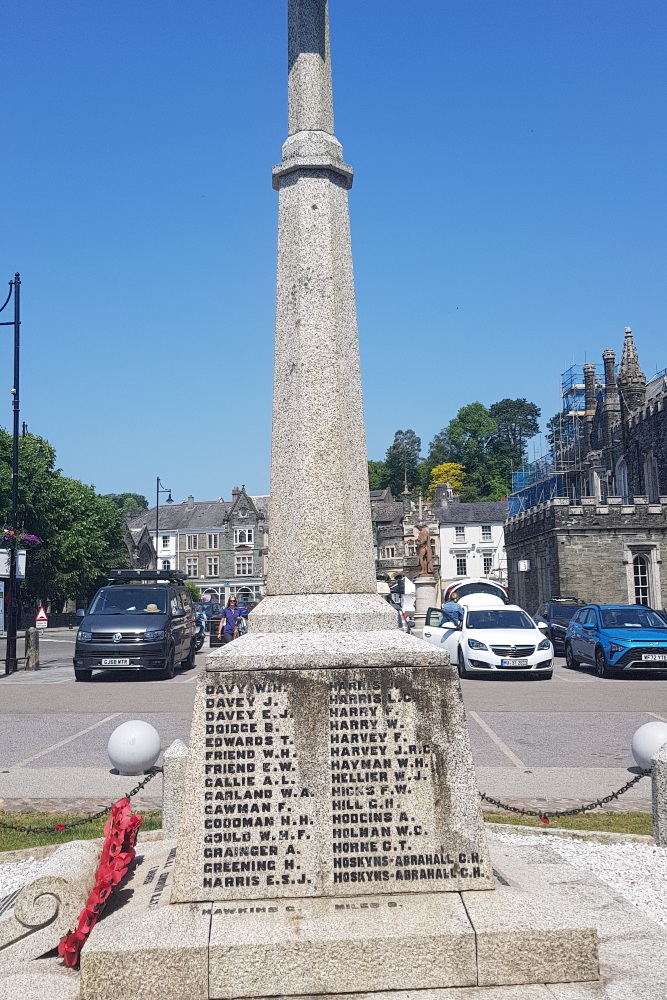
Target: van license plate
514 663
116 661
654 656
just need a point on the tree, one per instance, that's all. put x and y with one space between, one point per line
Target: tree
195 592
516 422
378 475
128 502
447 472
402 461
80 532
466 441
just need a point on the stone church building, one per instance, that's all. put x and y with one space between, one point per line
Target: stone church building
595 527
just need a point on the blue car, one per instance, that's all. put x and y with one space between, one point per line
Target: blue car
616 638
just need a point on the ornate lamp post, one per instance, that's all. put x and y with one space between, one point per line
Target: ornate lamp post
160 489
12 618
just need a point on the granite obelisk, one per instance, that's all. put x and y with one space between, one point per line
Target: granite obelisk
330 836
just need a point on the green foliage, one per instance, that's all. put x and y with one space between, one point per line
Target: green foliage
195 592
488 443
378 475
81 532
402 461
516 422
127 502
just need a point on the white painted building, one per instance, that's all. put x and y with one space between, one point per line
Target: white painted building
472 540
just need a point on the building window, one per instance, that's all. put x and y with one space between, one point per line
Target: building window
212 566
191 542
165 541
461 566
388 552
486 533
166 564
192 566
459 534
213 542
640 571
243 536
411 547
243 566
488 563
622 480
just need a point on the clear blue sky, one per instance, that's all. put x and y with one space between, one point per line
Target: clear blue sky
508 216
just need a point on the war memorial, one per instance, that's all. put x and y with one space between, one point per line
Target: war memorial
330 836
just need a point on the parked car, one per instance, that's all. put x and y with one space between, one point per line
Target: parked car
616 638
556 615
142 619
213 612
495 639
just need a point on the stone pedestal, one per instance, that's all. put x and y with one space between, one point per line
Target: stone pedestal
425 591
659 795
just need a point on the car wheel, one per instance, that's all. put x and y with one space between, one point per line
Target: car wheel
461 665
601 666
189 661
82 675
570 661
169 665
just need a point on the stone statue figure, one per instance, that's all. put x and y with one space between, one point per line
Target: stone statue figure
424 550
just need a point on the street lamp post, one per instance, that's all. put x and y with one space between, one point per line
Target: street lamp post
11 663
160 489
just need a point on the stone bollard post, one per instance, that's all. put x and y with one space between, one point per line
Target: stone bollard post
424 599
32 649
659 789
173 781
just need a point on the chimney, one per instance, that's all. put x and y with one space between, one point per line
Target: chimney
235 492
191 502
589 388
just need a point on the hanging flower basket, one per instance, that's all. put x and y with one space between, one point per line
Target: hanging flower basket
18 540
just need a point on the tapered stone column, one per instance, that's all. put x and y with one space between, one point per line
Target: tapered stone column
320 539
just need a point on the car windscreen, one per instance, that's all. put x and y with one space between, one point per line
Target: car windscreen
564 611
634 617
134 600
498 619
465 589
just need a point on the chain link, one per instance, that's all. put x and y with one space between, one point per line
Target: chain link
547 817
60 827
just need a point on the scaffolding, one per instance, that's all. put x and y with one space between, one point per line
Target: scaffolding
554 474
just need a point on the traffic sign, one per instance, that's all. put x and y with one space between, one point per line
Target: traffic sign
41 618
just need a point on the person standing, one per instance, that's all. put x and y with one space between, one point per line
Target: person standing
229 623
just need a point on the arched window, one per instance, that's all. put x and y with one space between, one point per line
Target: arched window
641 580
622 480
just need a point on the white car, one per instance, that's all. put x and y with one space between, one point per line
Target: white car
492 639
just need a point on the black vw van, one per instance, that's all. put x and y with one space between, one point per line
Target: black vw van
143 619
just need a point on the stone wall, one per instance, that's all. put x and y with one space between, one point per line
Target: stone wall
586 551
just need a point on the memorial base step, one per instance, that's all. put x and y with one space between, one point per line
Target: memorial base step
147 946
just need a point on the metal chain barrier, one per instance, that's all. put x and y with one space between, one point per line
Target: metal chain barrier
60 827
547 817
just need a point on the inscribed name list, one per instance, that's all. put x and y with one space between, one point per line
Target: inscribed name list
330 783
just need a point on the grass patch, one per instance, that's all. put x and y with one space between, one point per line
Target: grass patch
605 822
15 840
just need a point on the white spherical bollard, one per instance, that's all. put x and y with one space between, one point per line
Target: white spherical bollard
647 741
134 747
